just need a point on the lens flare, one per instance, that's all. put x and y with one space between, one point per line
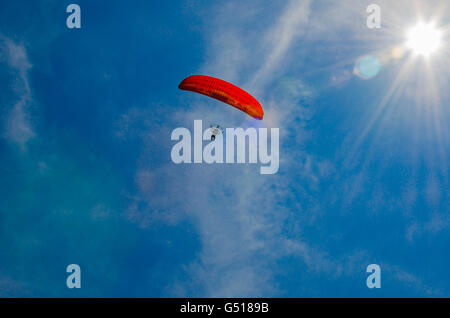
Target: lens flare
367 67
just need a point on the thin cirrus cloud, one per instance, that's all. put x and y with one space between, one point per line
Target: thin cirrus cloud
17 125
241 217
257 235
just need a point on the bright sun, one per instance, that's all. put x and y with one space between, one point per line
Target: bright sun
424 39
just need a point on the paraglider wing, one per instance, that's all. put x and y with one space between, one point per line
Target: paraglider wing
223 91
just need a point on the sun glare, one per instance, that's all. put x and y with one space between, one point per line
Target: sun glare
424 39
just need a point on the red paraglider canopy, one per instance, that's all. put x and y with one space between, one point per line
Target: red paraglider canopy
223 91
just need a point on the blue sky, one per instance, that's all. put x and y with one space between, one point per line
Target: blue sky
87 178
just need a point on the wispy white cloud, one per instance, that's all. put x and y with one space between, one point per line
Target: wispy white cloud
11 288
279 38
239 214
244 225
18 124
412 281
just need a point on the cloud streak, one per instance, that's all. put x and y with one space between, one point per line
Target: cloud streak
240 215
248 223
18 125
